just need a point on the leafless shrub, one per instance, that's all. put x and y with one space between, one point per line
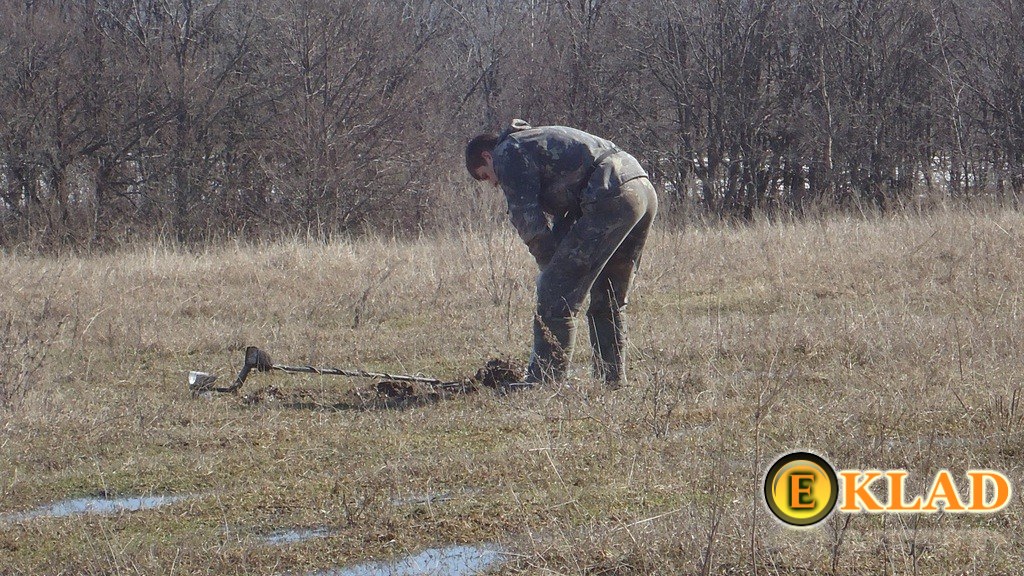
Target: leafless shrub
25 343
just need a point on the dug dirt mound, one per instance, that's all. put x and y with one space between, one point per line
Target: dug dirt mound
499 372
394 389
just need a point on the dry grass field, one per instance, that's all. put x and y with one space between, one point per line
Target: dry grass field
878 343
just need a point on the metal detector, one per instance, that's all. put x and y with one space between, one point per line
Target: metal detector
200 382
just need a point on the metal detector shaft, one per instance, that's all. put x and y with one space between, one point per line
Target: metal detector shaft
355 373
260 360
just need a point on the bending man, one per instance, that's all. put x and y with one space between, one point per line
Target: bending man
584 208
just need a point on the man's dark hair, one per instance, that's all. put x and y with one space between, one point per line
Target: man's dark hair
475 149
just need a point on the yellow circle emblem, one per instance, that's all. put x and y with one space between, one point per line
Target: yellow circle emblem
801 488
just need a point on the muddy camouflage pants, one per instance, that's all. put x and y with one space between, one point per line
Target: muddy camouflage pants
599 255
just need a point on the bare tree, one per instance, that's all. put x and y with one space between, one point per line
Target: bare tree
194 119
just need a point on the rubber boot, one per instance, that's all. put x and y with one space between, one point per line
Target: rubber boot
608 340
552 349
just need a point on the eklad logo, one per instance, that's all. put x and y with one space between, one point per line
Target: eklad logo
801 489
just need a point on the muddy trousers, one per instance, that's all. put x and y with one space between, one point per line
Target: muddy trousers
599 256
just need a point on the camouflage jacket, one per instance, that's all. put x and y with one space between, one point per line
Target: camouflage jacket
544 172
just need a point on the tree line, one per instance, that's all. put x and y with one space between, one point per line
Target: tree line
203 119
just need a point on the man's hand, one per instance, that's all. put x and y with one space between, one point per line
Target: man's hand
561 227
543 247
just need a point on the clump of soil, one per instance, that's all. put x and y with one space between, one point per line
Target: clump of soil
395 389
499 372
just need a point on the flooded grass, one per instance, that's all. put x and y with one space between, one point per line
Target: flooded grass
295 536
449 561
75 506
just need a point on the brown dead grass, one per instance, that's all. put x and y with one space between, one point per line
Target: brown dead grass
877 343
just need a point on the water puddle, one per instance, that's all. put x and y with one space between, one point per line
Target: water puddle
66 508
450 561
282 537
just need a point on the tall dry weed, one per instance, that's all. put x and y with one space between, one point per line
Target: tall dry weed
31 324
